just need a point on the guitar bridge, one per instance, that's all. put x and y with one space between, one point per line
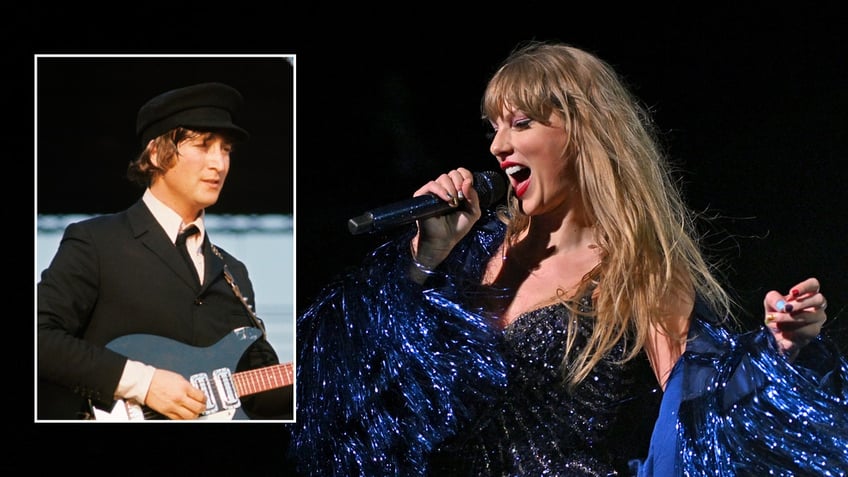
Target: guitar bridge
220 388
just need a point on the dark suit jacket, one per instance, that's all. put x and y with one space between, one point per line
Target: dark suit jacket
120 274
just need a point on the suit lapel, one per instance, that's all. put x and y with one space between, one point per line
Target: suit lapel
146 229
214 264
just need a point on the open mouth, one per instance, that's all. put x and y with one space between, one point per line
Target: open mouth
519 173
521 178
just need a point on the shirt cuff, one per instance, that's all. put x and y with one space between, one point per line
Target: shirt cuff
135 381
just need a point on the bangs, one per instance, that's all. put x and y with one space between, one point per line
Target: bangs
522 85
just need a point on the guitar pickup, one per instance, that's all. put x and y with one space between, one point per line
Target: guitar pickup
226 388
221 386
201 381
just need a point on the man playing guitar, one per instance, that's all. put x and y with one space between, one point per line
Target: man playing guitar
129 306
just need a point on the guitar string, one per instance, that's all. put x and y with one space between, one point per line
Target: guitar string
281 372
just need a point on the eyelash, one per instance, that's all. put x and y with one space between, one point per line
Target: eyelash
520 124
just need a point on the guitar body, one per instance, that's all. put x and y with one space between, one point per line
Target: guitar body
209 369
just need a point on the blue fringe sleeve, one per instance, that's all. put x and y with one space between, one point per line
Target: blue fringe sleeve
745 410
387 368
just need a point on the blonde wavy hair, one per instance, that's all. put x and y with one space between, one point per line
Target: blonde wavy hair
647 235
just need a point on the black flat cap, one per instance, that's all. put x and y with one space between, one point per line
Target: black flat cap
202 107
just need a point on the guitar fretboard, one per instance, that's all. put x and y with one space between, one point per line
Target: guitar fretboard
263 379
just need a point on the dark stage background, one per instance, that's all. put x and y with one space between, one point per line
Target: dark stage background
756 124
753 112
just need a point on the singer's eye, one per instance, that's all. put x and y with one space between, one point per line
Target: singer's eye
522 123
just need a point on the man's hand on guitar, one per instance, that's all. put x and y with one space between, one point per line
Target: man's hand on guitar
173 396
191 382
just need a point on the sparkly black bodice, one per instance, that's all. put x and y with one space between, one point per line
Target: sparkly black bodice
537 427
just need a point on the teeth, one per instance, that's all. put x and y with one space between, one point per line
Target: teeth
513 169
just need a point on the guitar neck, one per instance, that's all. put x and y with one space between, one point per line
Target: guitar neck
263 379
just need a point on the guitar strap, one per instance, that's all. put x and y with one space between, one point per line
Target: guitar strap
229 277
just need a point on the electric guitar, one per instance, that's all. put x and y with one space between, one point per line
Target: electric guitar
208 369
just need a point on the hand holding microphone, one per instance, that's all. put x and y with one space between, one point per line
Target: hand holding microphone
489 185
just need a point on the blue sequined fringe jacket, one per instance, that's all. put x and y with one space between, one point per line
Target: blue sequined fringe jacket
396 378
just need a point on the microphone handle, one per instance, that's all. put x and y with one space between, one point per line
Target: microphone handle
406 211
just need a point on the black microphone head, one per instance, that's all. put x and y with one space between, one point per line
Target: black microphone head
490 187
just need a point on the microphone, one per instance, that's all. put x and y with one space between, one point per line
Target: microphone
490 187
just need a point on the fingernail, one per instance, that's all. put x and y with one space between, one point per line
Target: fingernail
460 195
795 292
789 308
781 306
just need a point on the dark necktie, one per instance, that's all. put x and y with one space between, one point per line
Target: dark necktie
181 246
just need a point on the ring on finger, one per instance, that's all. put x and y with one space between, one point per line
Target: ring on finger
769 318
453 201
